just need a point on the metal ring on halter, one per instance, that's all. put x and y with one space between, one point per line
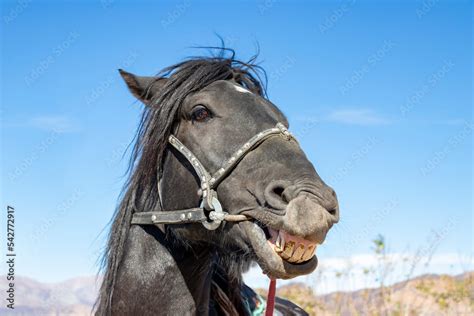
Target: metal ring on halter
216 215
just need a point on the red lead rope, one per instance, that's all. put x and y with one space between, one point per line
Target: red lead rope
271 298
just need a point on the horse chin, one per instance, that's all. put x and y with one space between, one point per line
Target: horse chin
269 259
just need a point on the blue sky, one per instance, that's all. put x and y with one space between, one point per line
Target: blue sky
379 94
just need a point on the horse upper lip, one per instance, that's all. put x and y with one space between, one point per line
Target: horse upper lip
304 218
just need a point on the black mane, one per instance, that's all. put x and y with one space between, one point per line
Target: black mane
158 121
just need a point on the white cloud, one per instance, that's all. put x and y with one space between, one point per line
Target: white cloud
357 117
57 123
347 274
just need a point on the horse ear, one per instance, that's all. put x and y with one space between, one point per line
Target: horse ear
143 88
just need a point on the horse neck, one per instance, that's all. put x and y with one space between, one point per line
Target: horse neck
151 280
196 265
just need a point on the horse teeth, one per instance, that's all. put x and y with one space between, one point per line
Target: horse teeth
299 251
288 250
293 249
308 253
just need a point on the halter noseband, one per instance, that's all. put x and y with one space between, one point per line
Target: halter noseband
209 183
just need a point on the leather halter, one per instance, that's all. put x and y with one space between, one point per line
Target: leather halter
209 183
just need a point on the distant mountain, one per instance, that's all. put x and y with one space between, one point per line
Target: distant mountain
425 295
72 297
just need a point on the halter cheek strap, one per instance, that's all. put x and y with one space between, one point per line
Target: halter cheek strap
209 183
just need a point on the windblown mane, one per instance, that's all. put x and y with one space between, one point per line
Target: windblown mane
140 192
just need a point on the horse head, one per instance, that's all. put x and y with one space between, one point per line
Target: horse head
214 108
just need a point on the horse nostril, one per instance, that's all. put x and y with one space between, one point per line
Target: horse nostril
330 203
275 194
278 190
334 214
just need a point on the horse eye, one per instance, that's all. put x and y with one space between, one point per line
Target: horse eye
200 114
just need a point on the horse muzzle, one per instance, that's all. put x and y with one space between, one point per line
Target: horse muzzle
285 245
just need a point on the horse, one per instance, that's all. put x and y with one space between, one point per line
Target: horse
216 183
